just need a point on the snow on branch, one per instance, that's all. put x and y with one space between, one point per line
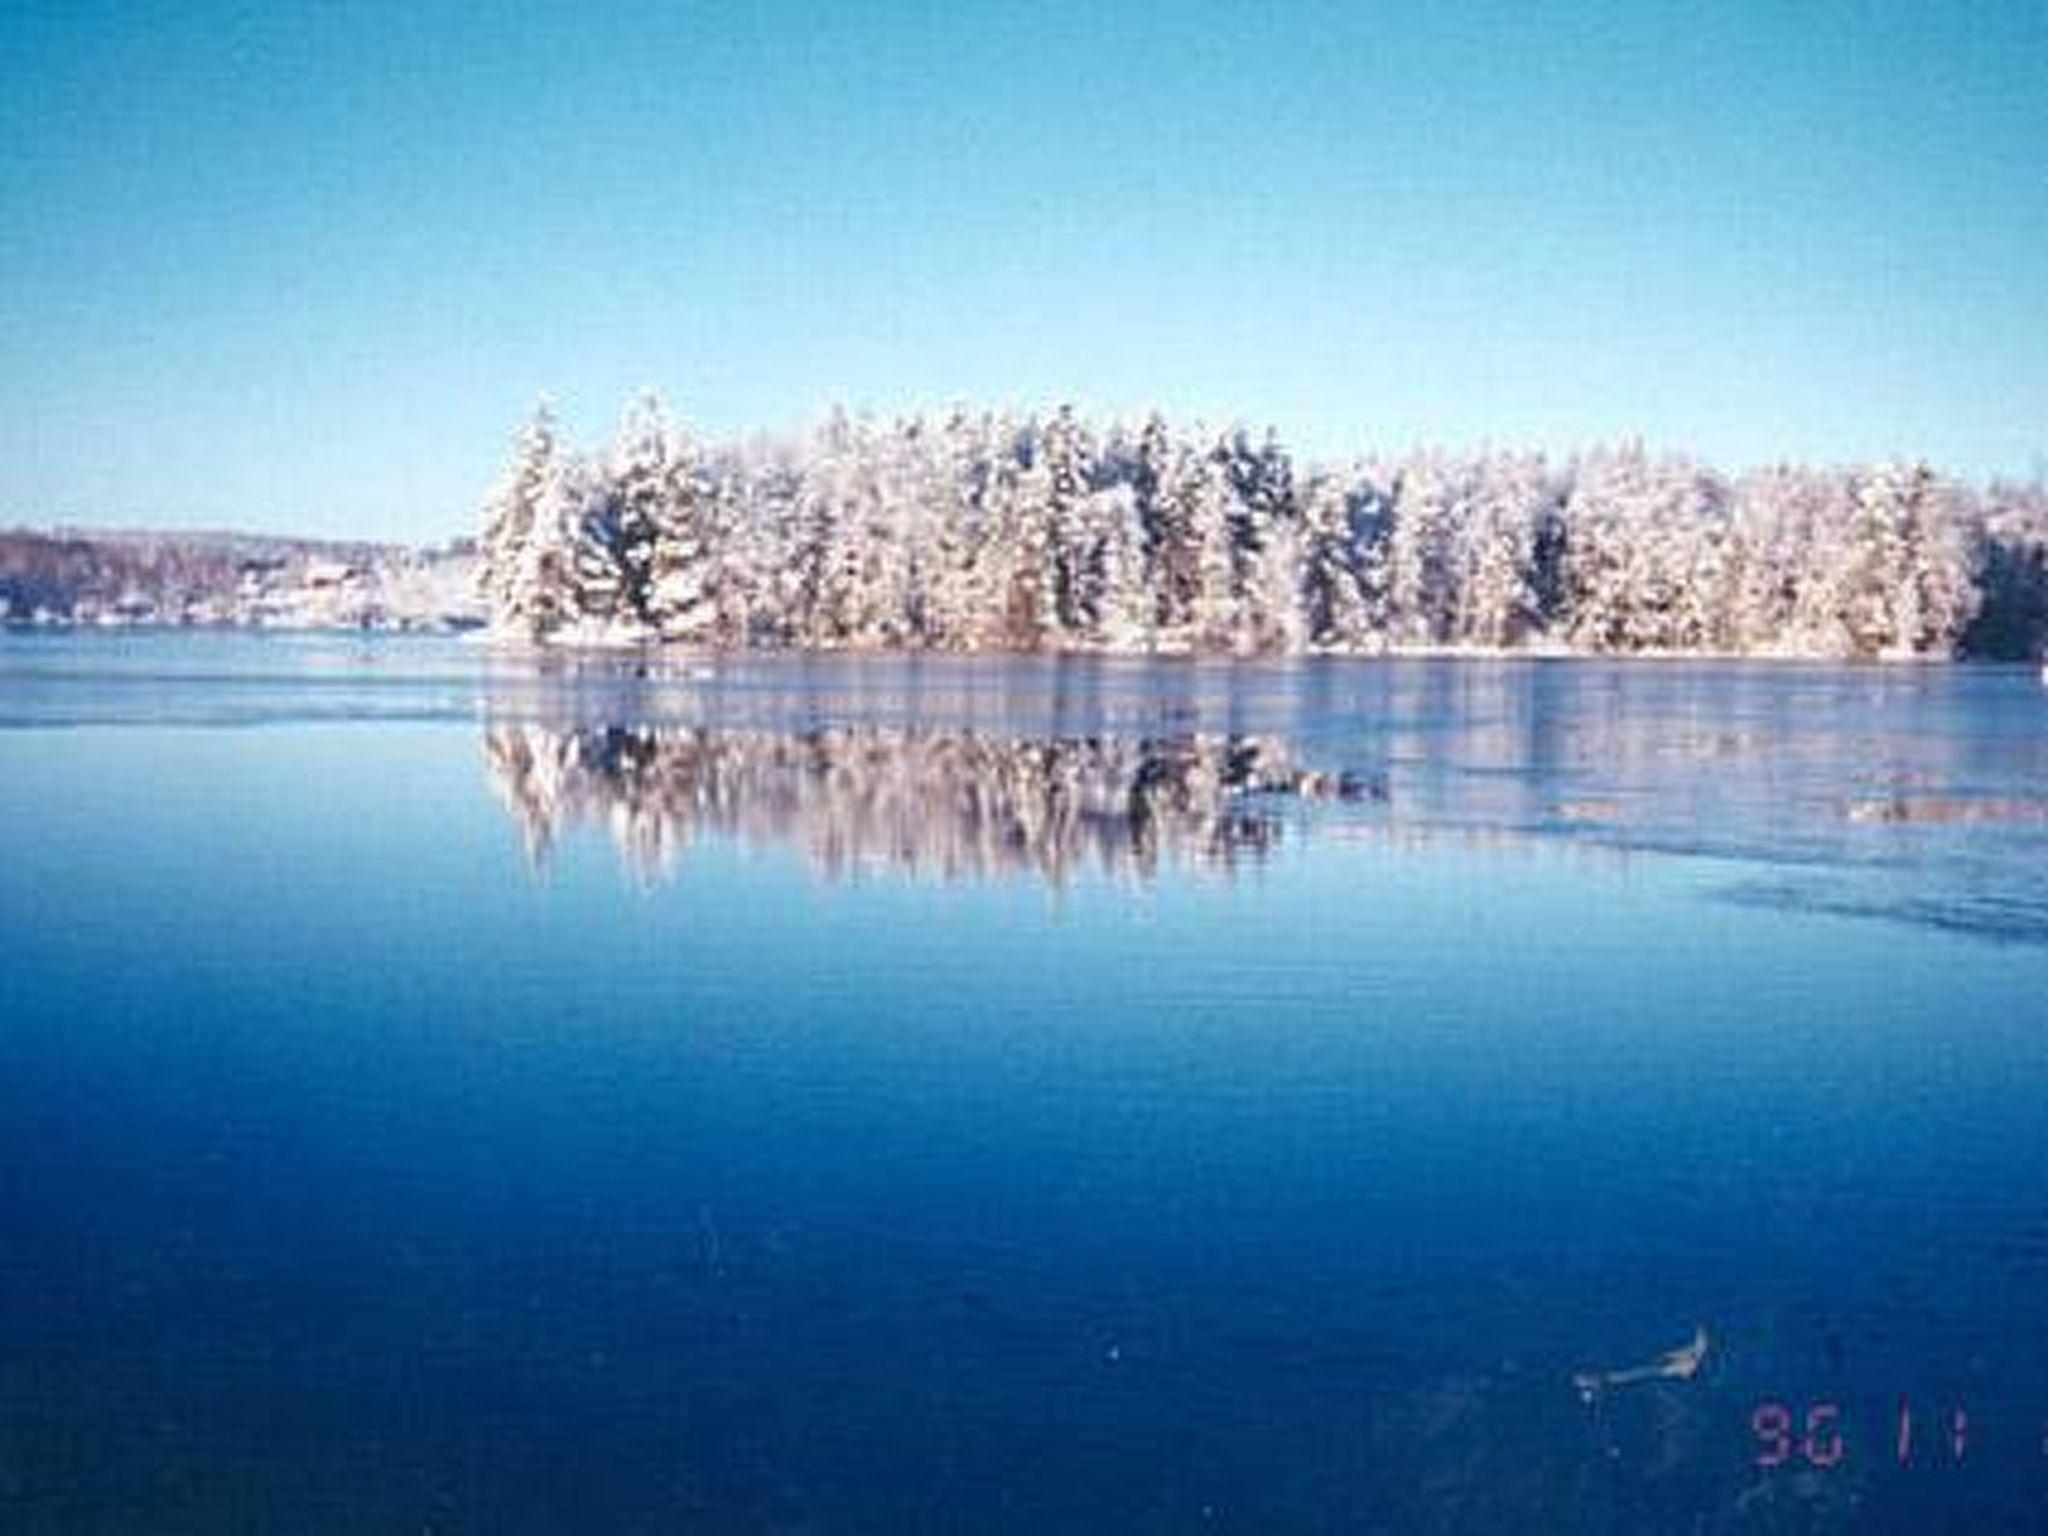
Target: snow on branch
981 532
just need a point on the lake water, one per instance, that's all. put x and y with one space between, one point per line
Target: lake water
454 1092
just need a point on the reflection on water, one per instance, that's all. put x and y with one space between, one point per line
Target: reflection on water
952 803
1909 797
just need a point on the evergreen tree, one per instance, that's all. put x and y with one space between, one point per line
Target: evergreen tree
1495 561
1335 613
546 589
641 497
510 518
1430 495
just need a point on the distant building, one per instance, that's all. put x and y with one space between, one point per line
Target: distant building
326 574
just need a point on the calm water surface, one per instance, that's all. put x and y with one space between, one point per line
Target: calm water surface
455 1092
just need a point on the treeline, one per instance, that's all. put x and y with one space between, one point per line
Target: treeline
56 574
117 577
988 532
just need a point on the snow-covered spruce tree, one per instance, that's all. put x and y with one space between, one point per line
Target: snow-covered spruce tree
598 604
1279 620
509 516
1636 534
838 487
1107 554
1594 572
1907 587
1878 564
1268 549
1431 496
1063 475
1371 491
888 518
723 500
664 543
1680 560
1023 564
1335 613
779 565
1786 551
1150 466
1259 487
1175 533
1494 552
1762 509
1119 600
1708 599
1213 616
1949 553
900 526
637 509
545 595
955 568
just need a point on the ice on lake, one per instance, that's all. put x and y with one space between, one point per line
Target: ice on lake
456 1089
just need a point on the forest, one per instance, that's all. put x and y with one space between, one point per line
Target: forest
998 532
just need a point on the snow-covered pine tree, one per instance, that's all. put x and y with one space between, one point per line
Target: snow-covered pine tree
546 591
1212 622
1945 527
640 492
597 603
1063 472
1818 545
1693 526
1907 588
780 561
837 488
1150 460
899 516
1879 560
1633 528
1024 566
509 517
954 567
1431 492
1371 493
1495 551
1174 540
1774 513
1119 601
672 552
1335 615
1269 551
722 492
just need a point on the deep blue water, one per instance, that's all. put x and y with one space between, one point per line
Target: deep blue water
445 1091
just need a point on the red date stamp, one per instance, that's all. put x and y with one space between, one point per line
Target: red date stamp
1815 1435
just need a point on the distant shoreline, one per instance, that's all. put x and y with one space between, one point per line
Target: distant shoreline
134 580
476 631
141 578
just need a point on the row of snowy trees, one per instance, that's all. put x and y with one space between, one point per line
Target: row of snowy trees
986 532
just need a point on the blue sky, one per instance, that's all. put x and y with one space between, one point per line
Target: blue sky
305 266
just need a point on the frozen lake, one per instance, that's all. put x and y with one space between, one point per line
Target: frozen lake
450 1091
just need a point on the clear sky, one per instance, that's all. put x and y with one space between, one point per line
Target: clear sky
304 266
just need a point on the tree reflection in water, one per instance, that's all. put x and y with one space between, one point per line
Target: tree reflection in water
947 803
